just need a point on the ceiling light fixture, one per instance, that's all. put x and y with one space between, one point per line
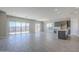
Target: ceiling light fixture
55 9
58 12
75 12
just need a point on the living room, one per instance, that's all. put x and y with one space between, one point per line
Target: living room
39 29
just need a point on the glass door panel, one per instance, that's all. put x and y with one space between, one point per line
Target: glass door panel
18 27
12 28
23 27
27 27
37 27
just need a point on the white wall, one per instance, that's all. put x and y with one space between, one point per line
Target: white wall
75 26
3 25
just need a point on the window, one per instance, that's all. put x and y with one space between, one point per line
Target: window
49 27
23 27
12 27
37 27
18 27
27 27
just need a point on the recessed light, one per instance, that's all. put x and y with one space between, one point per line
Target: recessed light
58 12
56 9
75 12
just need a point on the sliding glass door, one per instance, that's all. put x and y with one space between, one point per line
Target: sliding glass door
37 27
18 27
12 27
27 25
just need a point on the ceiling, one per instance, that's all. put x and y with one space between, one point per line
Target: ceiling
41 13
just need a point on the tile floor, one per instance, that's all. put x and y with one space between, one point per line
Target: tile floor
39 42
